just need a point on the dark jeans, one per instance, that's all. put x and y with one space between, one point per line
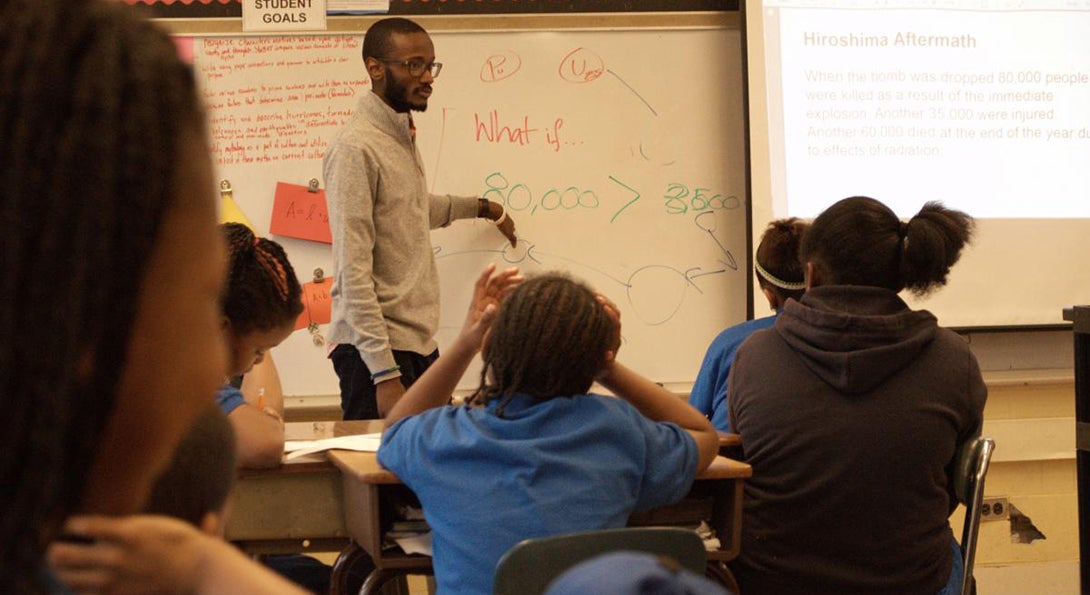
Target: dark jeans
304 571
358 399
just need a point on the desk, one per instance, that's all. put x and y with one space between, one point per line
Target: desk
299 506
716 496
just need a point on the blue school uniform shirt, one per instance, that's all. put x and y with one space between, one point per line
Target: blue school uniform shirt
547 467
709 394
229 398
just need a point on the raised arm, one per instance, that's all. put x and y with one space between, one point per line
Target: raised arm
655 402
434 387
445 208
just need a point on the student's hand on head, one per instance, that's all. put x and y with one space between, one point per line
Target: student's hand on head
488 292
128 555
615 341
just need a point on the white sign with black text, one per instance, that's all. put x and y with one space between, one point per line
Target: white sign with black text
283 15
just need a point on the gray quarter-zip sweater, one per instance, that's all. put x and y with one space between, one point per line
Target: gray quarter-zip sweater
386 288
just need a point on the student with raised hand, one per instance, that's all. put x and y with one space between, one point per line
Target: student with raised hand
852 408
780 277
531 453
262 301
110 341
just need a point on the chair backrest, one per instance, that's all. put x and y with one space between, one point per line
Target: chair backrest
529 566
972 466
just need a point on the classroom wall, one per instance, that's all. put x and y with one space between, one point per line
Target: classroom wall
630 178
1031 414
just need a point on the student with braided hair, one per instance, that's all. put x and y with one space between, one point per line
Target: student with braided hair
260 306
112 264
780 277
531 453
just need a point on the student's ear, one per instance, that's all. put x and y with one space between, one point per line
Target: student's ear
813 276
773 300
225 324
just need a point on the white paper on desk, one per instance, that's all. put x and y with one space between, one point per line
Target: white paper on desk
415 544
358 442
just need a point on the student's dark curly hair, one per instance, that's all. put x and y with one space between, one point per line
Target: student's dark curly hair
549 339
378 42
860 241
262 290
778 255
200 474
94 108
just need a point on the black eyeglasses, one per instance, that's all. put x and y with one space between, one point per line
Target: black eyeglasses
416 66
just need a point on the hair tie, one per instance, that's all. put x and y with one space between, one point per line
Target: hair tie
773 280
256 240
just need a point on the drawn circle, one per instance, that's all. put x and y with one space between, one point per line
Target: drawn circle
569 199
591 203
519 197
731 202
656 293
500 66
581 66
516 254
550 201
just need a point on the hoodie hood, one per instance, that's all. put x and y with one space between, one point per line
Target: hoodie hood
854 337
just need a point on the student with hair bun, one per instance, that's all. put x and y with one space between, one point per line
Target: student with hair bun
260 305
851 409
780 277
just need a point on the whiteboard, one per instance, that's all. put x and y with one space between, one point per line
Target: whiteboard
619 154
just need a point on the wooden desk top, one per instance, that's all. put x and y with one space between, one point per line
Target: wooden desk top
307 430
364 467
316 430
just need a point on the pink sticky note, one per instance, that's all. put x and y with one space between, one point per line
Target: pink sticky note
316 304
300 213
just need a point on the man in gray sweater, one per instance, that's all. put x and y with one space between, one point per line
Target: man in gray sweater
385 310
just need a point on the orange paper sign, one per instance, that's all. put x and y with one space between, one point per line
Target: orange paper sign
316 304
300 213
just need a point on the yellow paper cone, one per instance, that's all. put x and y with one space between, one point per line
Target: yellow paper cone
230 213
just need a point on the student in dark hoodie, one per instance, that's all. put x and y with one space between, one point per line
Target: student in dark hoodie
851 409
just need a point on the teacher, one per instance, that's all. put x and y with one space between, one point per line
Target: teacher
385 293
